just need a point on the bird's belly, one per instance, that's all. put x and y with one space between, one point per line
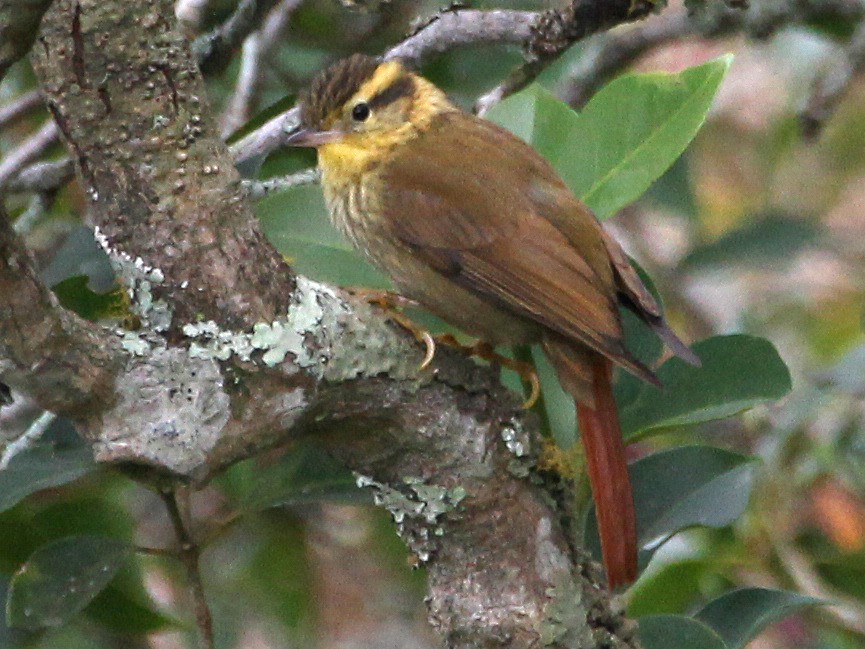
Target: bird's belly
418 281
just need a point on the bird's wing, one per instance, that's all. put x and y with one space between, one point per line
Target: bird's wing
493 230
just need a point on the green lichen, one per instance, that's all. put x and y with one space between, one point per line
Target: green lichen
519 443
212 342
138 278
564 623
134 343
416 508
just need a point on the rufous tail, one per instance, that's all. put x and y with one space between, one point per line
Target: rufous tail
608 475
586 375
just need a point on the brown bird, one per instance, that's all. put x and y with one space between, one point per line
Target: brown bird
475 225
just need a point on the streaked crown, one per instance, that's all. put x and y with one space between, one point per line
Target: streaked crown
334 86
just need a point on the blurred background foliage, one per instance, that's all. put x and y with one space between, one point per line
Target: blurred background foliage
757 229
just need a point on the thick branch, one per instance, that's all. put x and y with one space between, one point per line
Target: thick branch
46 351
130 103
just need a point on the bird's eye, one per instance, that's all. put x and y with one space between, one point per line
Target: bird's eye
360 112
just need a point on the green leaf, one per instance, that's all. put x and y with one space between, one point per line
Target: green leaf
771 241
9 638
61 578
41 468
80 254
305 474
740 615
626 137
677 632
684 487
669 589
738 373
687 486
75 295
560 411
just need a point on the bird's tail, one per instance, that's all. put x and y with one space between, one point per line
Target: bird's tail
587 376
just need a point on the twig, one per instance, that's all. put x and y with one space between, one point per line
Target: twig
831 87
610 53
464 27
257 49
42 177
555 31
28 439
38 206
157 552
847 611
214 50
190 553
240 104
258 189
17 109
33 147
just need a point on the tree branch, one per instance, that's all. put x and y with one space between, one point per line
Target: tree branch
32 148
45 351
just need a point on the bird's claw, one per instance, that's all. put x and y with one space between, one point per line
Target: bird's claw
391 302
486 352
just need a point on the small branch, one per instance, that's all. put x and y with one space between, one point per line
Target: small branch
831 87
258 189
190 555
215 49
39 204
28 151
42 177
17 412
240 104
28 439
157 552
18 108
452 29
556 30
610 53
257 49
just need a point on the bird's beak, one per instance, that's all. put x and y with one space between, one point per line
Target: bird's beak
311 137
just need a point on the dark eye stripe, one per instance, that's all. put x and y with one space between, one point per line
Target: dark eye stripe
402 87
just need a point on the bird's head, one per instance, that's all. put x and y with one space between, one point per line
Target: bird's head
361 104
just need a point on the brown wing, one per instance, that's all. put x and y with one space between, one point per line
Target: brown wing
494 230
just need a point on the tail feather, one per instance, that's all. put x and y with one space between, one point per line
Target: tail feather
587 376
608 475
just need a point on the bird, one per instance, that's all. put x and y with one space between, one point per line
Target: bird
472 223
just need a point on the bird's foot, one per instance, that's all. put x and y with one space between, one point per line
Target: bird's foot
486 352
391 303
